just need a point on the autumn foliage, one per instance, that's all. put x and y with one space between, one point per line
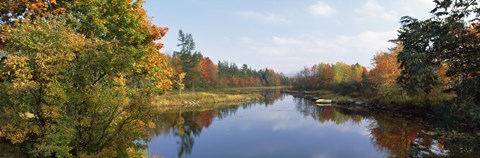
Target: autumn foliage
209 71
202 73
77 77
339 77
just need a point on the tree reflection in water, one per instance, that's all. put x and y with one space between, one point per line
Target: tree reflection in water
271 95
404 137
326 113
396 135
187 125
400 136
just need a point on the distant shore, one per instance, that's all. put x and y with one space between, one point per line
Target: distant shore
212 98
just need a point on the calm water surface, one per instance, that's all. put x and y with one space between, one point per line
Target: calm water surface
285 126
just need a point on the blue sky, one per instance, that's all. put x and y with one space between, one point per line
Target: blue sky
285 35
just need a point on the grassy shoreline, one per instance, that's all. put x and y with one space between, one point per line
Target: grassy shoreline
207 99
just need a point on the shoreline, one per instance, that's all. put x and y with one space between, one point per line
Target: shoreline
357 103
208 99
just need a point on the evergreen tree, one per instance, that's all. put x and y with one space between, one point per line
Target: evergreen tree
190 60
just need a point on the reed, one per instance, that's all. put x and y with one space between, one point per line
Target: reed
175 100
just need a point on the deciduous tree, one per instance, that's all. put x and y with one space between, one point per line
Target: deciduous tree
450 38
80 84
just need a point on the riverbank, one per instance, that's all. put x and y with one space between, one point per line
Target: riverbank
213 98
358 103
323 94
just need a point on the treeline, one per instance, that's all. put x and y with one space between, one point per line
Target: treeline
199 72
381 84
339 77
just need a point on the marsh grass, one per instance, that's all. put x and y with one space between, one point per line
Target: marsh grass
175 100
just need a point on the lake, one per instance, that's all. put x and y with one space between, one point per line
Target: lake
288 126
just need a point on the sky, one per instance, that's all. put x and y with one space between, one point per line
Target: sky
285 35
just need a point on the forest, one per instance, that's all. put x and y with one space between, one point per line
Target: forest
193 68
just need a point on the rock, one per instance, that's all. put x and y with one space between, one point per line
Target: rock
323 101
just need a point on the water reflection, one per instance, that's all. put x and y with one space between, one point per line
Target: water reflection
326 114
399 137
391 136
272 95
187 125
395 135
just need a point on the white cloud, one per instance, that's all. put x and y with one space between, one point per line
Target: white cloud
265 17
368 40
376 40
271 50
372 9
321 9
314 48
